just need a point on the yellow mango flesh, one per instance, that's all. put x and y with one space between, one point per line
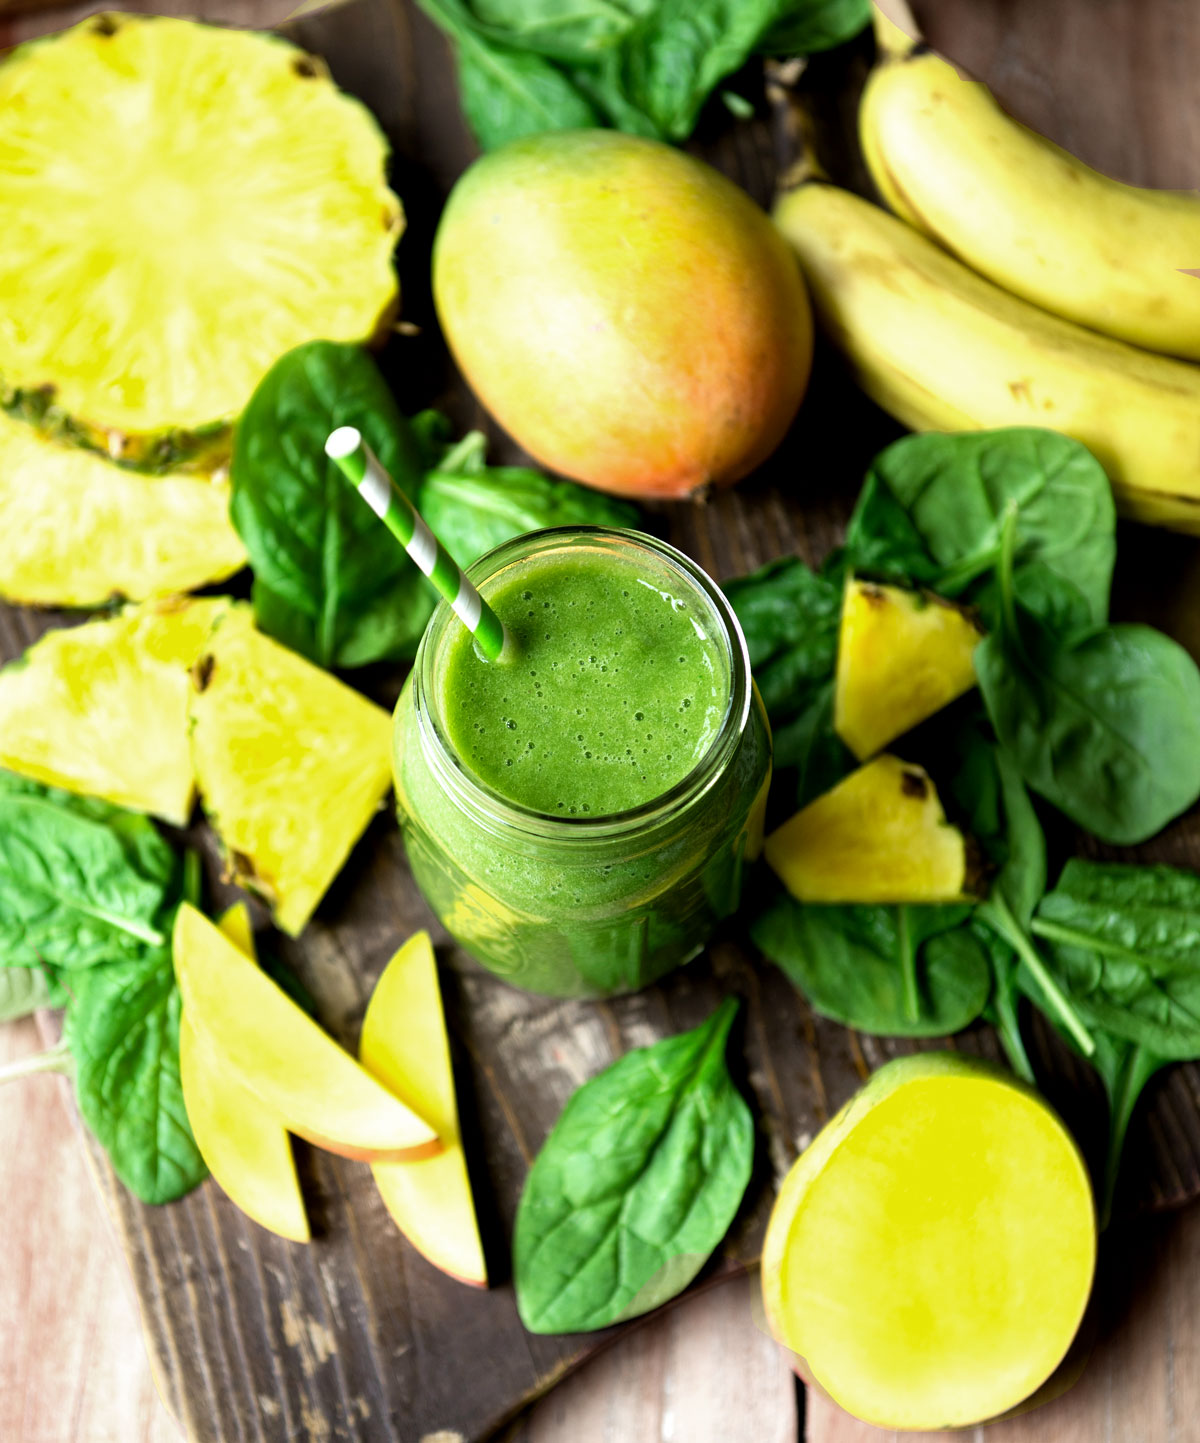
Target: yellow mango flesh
245 1146
102 708
236 924
404 1044
902 656
291 765
622 309
930 1257
276 1051
880 835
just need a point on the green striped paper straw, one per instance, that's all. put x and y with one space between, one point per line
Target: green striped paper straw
360 465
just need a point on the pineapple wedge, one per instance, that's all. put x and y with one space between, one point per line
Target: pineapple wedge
880 835
291 765
75 530
102 708
216 202
902 655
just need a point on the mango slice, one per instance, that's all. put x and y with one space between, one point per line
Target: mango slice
246 1147
404 1044
277 1052
75 530
930 1256
902 656
291 765
102 708
880 835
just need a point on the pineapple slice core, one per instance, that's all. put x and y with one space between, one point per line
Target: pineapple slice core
879 836
216 202
102 708
291 765
902 656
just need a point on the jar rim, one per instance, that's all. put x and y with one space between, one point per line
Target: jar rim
485 801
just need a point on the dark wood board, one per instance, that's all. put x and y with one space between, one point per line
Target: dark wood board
356 1337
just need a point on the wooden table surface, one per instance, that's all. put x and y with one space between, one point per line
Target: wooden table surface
72 1365
73 1368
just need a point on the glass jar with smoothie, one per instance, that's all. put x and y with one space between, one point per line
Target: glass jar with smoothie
579 815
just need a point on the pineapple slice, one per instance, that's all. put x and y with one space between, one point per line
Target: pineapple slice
75 530
291 764
216 202
102 708
902 655
879 836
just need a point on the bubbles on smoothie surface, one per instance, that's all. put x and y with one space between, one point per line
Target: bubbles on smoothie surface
618 690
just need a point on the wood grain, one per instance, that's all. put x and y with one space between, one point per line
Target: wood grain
73 1367
357 1337
72 1363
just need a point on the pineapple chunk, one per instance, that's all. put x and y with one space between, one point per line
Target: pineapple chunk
75 530
216 202
102 708
879 836
291 764
902 655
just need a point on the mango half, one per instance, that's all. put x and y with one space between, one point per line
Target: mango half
930 1256
626 312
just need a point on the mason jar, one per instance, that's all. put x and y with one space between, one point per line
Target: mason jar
583 905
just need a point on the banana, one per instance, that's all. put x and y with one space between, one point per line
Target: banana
1027 214
942 349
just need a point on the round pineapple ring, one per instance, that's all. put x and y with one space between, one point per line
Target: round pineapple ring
180 205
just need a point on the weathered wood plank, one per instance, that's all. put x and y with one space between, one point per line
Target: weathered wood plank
357 1338
72 1362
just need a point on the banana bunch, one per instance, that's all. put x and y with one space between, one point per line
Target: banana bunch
1072 285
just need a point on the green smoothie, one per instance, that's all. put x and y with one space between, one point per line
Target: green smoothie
618 688
579 816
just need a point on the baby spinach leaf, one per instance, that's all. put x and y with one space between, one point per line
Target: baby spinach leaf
475 507
329 580
1000 816
149 854
892 971
1125 942
1105 727
80 882
933 510
635 1186
86 894
122 1028
26 989
816 25
569 30
510 93
1125 1069
682 50
790 616
809 755
506 87
644 66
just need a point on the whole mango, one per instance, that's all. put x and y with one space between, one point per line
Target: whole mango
628 314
